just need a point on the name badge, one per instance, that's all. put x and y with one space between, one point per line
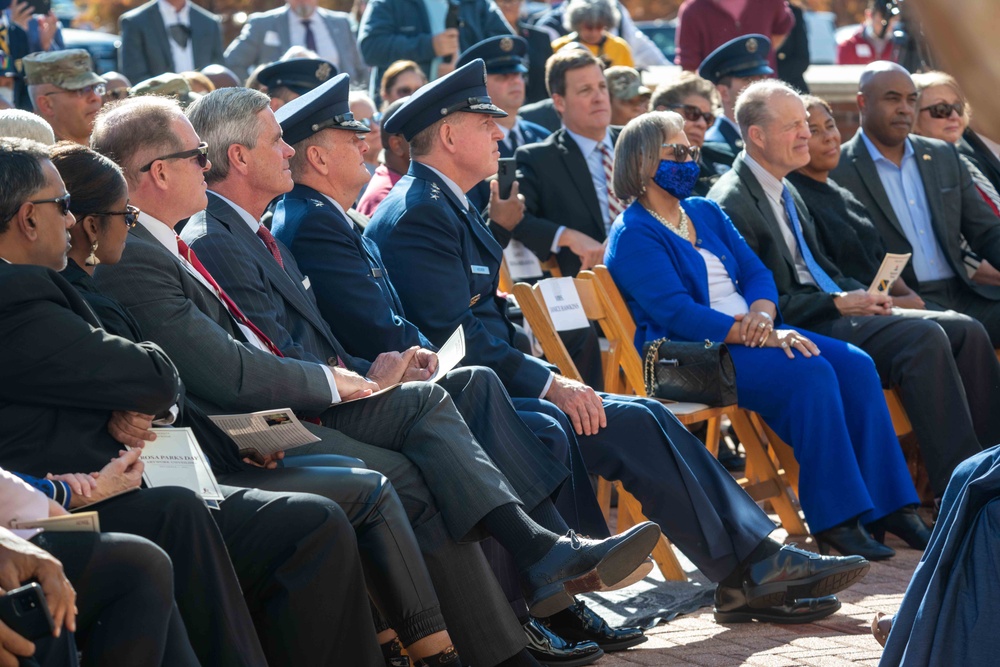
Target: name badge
376 272
306 283
272 38
481 270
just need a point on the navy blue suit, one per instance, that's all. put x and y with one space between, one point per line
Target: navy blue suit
829 408
724 131
446 264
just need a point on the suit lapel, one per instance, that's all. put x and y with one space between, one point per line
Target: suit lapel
932 188
862 161
201 44
160 35
579 175
763 205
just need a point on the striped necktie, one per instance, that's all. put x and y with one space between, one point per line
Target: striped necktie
615 205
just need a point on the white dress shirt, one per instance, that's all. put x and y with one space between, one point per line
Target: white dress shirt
325 48
183 57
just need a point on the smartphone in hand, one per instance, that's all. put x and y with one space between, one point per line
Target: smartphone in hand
506 174
25 611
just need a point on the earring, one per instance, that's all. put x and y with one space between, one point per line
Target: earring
92 260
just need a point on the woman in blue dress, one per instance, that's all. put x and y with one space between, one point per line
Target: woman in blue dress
688 275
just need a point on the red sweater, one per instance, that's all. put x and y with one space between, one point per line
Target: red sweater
858 50
702 26
382 181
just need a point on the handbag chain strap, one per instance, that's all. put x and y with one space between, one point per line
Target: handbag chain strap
652 356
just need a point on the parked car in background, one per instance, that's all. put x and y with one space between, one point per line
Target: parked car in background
663 32
103 47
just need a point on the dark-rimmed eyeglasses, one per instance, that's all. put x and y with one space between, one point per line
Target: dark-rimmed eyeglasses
201 153
63 202
130 214
691 113
681 152
97 89
943 109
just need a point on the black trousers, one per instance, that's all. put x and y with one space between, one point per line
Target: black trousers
283 567
954 294
947 374
125 598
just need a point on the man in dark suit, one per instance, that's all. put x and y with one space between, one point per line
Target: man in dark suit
284 547
924 354
569 205
167 36
982 151
266 36
414 432
920 197
446 265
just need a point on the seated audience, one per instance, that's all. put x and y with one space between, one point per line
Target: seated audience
629 98
944 114
921 198
289 79
428 236
65 91
588 22
925 356
686 274
24 124
697 101
114 592
401 79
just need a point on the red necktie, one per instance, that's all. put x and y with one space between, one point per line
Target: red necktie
615 205
265 235
234 310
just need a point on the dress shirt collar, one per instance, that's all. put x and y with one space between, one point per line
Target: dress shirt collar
161 232
455 190
172 16
877 154
773 188
588 146
336 204
254 225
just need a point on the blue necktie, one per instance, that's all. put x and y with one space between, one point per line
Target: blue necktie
823 280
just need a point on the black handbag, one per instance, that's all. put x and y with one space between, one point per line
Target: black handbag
690 372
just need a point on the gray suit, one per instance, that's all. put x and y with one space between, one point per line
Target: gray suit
924 354
253 46
145 50
956 211
416 437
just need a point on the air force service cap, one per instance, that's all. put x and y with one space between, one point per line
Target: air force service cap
504 54
742 57
300 75
462 90
319 109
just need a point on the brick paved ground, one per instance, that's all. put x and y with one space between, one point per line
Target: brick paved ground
840 640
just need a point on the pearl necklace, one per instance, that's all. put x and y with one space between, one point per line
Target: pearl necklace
681 229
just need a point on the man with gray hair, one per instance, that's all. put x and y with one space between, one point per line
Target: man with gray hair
65 91
931 358
26 125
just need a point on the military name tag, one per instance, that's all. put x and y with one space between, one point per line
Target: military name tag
481 270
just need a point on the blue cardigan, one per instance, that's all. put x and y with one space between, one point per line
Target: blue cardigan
664 280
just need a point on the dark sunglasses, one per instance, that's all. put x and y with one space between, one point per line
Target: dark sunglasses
681 152
62 201
201 153
943 110
692 113
131 215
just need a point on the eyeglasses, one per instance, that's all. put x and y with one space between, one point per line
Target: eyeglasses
201 153
62 201
943 110
131 215
116 94
692 113
681 152
97 89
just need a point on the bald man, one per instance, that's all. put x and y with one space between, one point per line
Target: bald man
921 197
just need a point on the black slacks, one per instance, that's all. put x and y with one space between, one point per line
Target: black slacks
947 375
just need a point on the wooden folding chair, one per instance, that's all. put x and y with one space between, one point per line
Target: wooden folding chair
507 283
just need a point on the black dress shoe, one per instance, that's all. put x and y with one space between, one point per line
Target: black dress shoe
549 648
731 607
577 564
851 538
904 523
793 573
580 623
